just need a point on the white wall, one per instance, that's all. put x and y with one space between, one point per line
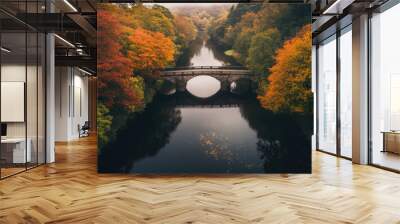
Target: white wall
71 102
62 81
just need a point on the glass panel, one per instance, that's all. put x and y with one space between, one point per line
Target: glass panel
23 91
32 89
346 93
385 92
314 89
31 98
41 99
13 79
327 95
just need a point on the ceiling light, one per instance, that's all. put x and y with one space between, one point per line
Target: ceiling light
5 50
337 7
84 71
333 6
79 51
70 5
65 41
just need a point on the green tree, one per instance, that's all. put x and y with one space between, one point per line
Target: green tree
262 50
242 45
104 121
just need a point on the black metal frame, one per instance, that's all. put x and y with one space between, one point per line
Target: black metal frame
369 70
338 98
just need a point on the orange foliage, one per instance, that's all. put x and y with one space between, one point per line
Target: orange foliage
289 87
150 50
114 69
124 48
185 28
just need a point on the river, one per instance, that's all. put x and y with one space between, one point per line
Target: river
206 130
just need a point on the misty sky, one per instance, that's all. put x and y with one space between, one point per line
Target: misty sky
177 5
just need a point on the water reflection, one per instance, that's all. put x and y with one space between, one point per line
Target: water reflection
203 86
216 146
143 135
174 135
284 140
202 52
205 57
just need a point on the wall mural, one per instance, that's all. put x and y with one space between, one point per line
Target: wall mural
204 88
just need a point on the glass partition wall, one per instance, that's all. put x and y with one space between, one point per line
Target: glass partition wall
334 94
22 98
385 89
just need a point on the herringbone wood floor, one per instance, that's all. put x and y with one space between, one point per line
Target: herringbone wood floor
70 191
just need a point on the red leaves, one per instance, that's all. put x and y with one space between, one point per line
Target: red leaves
114 69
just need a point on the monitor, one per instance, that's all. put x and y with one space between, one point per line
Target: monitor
3 129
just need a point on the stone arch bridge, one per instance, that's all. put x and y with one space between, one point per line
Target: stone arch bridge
225 74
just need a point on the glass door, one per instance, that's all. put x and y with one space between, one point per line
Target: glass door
385 89
326 88
346 92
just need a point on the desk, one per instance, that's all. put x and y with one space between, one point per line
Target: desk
391 141
13 150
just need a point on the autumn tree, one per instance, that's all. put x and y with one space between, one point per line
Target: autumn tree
114 68
124 48
252 32
289 87
186 30
149 50
131 39
155 19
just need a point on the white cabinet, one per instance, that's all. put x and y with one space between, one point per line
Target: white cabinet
19 155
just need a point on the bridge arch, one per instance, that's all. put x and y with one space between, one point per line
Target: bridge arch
225 74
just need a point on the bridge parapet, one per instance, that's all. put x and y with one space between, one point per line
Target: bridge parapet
231 67
221 73
206 72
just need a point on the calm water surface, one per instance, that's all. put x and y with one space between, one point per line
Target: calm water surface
206 130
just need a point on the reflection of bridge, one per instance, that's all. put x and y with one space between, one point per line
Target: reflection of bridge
225 74
219 100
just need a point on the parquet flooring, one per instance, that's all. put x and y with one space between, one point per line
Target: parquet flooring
71 191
